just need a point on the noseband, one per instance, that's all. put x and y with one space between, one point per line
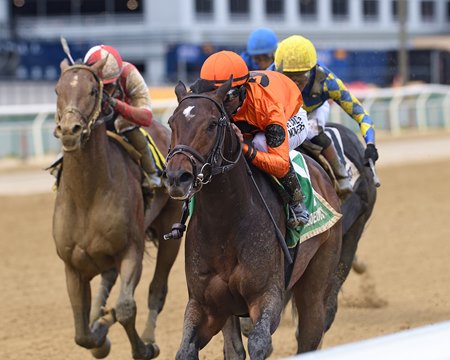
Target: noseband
91 120
215 162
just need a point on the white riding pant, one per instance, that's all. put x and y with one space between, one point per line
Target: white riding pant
297 127
317 119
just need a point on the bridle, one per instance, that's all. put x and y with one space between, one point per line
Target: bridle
215 162
91 120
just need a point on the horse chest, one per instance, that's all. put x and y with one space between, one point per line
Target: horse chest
96 227
215 289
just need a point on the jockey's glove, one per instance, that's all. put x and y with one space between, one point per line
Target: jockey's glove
370 153
108 101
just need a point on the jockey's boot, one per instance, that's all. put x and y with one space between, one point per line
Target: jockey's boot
299 214
140 143
345 188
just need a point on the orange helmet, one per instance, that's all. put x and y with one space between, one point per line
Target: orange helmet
221 65
113 67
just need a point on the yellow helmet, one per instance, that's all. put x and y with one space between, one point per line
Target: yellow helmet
295 53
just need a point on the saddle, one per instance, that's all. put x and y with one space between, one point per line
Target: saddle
315 151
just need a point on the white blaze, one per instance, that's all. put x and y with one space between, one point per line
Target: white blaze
187 112
74 81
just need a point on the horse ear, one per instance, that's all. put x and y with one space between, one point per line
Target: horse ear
180 90
224 88
97 67
64 65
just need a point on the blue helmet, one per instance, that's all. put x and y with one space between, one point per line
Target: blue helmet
262 41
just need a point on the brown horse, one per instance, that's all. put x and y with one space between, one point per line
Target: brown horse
234 264
99 222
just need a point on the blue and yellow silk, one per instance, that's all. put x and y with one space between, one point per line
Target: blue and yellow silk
335 89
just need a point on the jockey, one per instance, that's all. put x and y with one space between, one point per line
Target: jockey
126 92
261 46
296 57
263 102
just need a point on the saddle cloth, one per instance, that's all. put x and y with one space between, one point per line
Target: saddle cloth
157 155
322 215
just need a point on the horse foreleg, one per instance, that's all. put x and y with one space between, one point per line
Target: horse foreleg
79 291
107 282
130 273
233 349
167 253
198 329
266 317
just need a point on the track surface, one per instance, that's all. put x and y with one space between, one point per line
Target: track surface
406 247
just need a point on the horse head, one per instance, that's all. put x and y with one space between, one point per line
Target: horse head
79 98
199 125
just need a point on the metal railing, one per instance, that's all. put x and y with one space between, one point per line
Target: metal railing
27 130
394 110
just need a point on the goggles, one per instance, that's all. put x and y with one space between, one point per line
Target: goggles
234 92
299 77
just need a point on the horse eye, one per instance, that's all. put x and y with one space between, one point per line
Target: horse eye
212 126
93 92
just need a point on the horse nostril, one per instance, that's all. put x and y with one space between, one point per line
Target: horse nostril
76 129
186 177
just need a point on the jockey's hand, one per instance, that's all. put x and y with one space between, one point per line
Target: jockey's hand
238 132
370 153
108 102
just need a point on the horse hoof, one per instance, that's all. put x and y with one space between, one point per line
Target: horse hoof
246 326
154 350
102 351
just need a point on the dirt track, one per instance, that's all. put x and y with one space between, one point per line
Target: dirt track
406 247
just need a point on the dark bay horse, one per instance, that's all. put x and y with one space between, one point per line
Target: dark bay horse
234 264
99 222
356 210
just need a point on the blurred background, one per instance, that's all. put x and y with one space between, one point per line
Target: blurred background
393 54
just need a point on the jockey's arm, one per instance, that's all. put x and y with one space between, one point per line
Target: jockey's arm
136 108
351 105
276 160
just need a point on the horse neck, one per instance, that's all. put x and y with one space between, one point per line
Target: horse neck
89 167
228 190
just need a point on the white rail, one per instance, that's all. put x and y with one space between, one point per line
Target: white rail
30 124
396 109
27 129
428 342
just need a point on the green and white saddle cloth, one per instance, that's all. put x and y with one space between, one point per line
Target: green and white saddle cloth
322 215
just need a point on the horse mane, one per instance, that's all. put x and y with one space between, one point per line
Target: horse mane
202 86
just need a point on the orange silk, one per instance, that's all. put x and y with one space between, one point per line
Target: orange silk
272 98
